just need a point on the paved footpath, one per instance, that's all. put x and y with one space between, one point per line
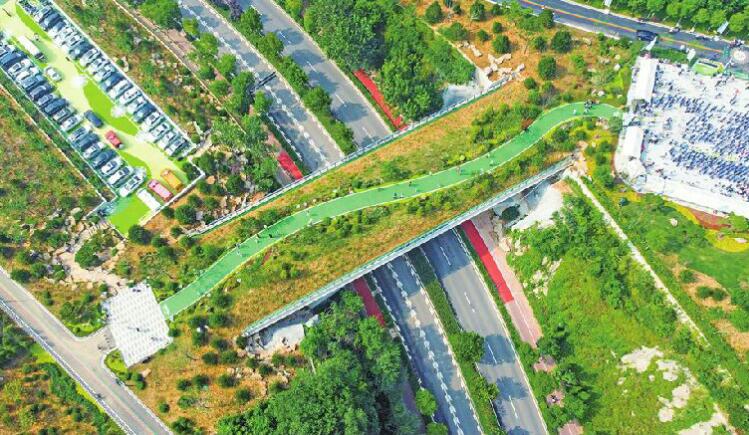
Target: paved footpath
492 160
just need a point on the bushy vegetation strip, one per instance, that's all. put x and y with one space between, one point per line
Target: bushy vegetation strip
482 393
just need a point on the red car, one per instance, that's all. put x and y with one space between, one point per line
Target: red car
113 139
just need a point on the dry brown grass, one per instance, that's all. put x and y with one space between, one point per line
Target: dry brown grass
702 280
738 340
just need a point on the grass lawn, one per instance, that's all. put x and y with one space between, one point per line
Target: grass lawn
30 23
128 212
103 106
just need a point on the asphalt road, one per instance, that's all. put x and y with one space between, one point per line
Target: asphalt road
476 312
426 345
349 105
303 130
576 15
83 359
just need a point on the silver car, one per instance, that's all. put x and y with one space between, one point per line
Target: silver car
71 122
131 184
93 150
88 57
96 65
119 176
118 89
103 73
128 96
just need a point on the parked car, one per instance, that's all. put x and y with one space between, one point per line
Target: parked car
31 82
97 64
54 107
119 176
103 73
144 111
102 157
93 118
128 96
62 114
42 101
135 104
77 51
77 134
151 120
113 138
50 20
110 82
111 166
174 149
9 59
86 141
56 28
40 91
24 74
16 69
71 122
160 190
88 57
131 184
159 131
119 89
168 137
53 74
92 150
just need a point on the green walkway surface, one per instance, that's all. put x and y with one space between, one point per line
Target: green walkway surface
289 225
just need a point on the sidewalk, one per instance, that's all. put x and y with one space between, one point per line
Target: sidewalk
518 307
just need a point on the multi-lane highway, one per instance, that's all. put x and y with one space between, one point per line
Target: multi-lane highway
595 20
349 105
426 344
476 311
301 128
82 358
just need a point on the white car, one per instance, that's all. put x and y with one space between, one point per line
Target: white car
53 74
96 65
119 176
56 29
71 122
132 184
128 96
164 141
159 131
88 57
152 120
93 150
111 166
15 69
24 75
176 146
118 89
70 41
64 33
103 72
133 105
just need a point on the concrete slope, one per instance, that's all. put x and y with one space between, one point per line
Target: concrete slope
426 345
301 128
83 359
476 311
349 105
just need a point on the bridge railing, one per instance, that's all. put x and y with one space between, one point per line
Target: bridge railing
334 286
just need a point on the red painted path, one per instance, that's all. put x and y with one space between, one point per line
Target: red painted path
487 260
378 97
370 305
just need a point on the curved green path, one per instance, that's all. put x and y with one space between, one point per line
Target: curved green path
494 159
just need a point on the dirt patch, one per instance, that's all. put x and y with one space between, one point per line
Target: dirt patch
707 220
702 280
738 340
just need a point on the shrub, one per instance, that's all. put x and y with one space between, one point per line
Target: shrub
455 32
201 381
425 402
186 214
477 12
547 68
546 18
229 357
210 358
530 83
539 43
687 276
501 44
163 407
242 395
562 41
433 14
183 384
139 235
497 27
226 381
482 35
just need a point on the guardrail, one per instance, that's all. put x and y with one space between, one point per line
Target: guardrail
353 156
334 286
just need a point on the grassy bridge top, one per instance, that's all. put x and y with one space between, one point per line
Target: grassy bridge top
242 252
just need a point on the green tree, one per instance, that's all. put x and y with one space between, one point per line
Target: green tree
546 17
425 402
497 27
477 12
539 43
562 41
469 347
164 13
227 65
250 23
547 68
190 26
501 44
139 235
219 87
262 103
317 99
433 13
455 32
186 214
434 428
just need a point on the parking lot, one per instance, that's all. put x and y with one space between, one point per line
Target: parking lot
108 120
